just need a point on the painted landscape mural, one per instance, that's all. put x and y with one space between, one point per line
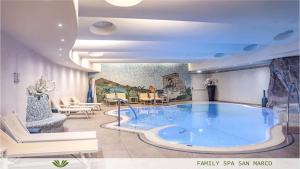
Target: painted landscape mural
174 88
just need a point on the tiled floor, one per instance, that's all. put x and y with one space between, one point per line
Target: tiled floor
120 144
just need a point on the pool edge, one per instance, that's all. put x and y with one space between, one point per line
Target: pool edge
277 137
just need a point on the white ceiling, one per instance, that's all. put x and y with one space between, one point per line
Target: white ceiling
35 24
183 30
152 31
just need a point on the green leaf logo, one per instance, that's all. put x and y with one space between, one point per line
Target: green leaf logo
60 164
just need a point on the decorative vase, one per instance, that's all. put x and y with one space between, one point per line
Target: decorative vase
90 98
211 92
264 100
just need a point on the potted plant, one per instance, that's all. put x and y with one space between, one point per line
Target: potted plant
210 85
41 88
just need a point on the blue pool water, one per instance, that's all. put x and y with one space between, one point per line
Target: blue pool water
211 125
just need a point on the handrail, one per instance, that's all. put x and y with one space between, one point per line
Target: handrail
119 101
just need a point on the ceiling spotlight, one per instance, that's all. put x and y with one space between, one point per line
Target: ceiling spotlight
96 54
124 3
103 28
62 40
60 25
250 47
199 71
284 35
218 55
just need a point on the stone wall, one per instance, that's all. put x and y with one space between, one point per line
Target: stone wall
283 72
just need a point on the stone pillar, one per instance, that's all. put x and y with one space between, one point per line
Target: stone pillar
283 72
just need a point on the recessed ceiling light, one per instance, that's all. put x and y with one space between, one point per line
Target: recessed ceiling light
199 71
102 28
250 47
96 54
284 35
218 55
124 3
60 25
62 40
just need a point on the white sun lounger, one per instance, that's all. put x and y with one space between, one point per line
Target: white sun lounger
69 110
67 104
77 102
20 133
38 149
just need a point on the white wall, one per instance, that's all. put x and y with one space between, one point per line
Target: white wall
199 92
31 66
243 86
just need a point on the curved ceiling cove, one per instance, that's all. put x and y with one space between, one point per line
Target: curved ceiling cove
124 3
95 54
47 27
185 31
136 31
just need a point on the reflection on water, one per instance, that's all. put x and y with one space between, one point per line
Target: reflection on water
206 124
212 111
268 116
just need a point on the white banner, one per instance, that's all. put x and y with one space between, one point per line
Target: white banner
151 163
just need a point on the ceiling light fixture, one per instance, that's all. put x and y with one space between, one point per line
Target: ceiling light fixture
96 54
250 47
102 28
124 3
62 40
218 55
199 71
60 25
284 35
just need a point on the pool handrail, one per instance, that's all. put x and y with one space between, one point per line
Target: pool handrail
119 101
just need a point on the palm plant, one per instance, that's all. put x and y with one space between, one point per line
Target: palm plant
60 164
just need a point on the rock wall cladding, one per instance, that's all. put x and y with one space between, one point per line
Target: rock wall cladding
283 73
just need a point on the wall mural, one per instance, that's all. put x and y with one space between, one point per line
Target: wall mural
173 87
142 74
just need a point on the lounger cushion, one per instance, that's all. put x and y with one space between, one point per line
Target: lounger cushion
15 149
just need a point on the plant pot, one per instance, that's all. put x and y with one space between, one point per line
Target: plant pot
211 92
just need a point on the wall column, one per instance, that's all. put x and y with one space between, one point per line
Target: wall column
199 92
